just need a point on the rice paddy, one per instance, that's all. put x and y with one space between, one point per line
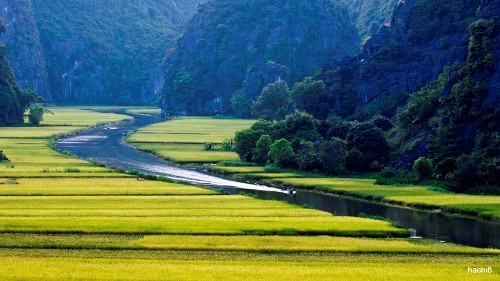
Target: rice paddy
182 140
63 218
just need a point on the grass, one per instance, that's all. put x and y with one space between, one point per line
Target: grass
181 140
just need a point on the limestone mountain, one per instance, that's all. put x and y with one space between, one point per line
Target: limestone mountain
25 51
92 51
232 46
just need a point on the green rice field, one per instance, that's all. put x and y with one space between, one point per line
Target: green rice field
63 218
182 140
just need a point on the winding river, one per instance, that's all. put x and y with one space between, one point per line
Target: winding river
106 144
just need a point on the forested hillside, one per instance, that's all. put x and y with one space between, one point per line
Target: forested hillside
107 51
234 48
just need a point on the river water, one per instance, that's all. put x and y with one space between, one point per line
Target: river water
106 144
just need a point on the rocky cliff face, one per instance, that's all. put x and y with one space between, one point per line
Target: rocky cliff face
24 49
232 45
108 51
370 15
420 40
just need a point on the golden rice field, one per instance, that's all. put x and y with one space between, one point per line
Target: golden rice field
181 140
62 218
417 196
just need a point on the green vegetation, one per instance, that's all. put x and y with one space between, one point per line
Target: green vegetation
88 45
274 102
183 139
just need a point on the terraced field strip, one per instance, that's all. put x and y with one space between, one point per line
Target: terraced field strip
217 215
222 265
182 139
106 186
263 244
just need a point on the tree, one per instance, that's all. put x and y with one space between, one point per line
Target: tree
311 96
281 153
370 141
244 144
242 106
355 161
422 168
382 122
262 147
35 115
274 102
298 127
332 156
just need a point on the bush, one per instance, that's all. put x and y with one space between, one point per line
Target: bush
391 176
281 153
422 167
262 147
3 157
227 145
209 146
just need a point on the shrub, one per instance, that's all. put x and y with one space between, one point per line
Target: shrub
227 145
281 153
3 157
209 146
422 167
